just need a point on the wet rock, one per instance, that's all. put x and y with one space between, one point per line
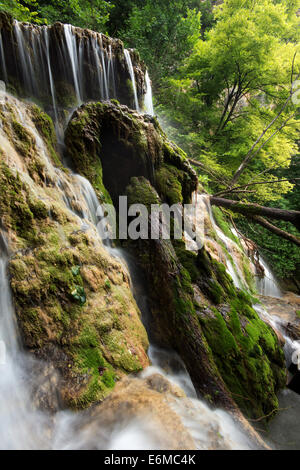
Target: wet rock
74 305
96 57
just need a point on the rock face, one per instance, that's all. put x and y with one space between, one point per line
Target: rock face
73 300
231 355
111 140
62 66
150 412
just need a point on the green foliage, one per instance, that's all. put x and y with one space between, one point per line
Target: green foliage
283 256
79 294
75 270
232 86
91 14
23 11
164 36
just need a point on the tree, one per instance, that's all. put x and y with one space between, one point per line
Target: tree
23 11
92 14
234 84
163 34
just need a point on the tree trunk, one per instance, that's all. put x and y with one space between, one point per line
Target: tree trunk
251 210
272 228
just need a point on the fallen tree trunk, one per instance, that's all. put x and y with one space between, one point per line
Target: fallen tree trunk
250 210
272 228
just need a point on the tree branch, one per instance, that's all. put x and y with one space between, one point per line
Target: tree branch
238 188
250 154
277 231
251 210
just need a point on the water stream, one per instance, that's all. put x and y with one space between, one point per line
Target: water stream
22 426
68 65
131 71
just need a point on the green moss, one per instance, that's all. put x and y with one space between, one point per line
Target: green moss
246 352
249 277
223 224
14 203
218 335
24 140
44 125
140 191
215 291
115 133
89 360
188 259
168 184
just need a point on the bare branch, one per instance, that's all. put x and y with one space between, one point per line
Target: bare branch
250 155
231 190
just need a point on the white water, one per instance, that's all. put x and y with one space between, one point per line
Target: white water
24 427
46 39
233 270
2 59
131 72
267 285
19 425
148 101
73 55
83 63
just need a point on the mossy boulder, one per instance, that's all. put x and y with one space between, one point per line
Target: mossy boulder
73 301
230 353
110 140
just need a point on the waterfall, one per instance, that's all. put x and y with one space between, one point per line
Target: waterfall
233 270
267 285
73 56
2 60
111 72
148 102
46 40
132 76
23 427
19 426
25 63
62 66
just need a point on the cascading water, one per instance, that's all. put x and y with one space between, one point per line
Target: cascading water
62 66
148 101
131 71
203 202
58 73
2 59
22 426
267 285
74 58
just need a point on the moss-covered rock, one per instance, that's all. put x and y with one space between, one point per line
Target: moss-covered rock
200 313
231 355
73 302
109 139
